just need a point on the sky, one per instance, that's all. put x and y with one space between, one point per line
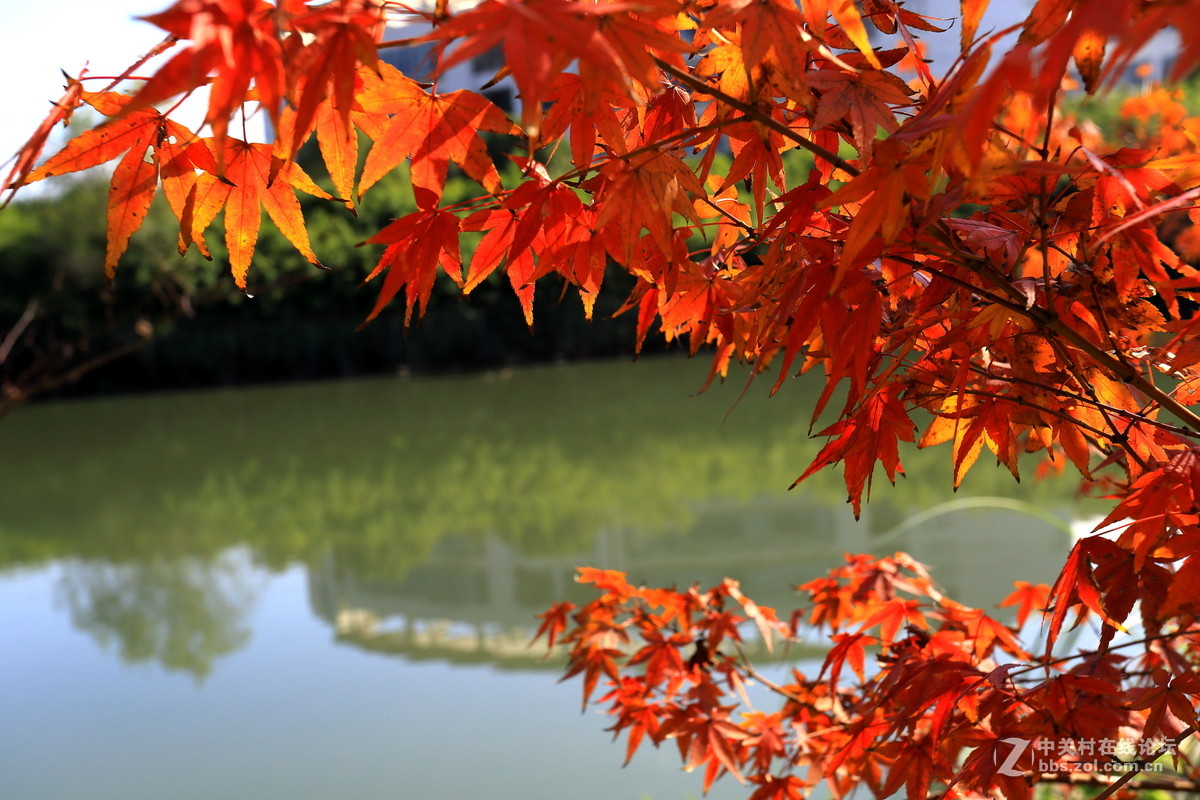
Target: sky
38 40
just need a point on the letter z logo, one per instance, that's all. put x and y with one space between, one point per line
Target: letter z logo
1009 766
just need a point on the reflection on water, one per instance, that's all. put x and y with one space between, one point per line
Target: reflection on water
179 612
430 519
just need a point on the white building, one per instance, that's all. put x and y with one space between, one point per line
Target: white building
417 61
1159 55
943 48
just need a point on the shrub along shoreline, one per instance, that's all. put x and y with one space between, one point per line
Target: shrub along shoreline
168 323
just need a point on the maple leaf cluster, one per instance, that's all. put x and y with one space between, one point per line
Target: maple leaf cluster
956 248
918 693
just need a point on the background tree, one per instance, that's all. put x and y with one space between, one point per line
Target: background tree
171 323
960 251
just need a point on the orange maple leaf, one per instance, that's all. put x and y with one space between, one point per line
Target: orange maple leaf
614 45
870 435
27 156
1028 597
431 130
341 35
418 244
972 14
135 179
764 26
863 99
254 180
233 44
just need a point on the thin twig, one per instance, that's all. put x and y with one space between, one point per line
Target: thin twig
18 328
757 115
1137 766
1048 321
1105 779
1110 648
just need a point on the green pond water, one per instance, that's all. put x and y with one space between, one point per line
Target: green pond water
326 591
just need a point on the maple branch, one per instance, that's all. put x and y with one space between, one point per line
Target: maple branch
18 328
1069 395
15 395
655 146
406 42
113 78
1020 401
1008 132
1124 372
1051 104
1108 333
748 668
1048 321
1139 765
1091 653
1043 200
1117 436
163 46
754 113
1103 779
982 293
750 230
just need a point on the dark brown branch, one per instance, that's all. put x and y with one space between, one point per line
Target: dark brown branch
18 328
13 396
1088 653
1124 413
753 112
1048 321
1137 766
1168 784
983 294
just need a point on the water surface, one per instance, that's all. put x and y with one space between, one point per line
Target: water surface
327 590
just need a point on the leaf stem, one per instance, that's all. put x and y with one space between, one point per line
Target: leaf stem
1049 321
694 83
1137 766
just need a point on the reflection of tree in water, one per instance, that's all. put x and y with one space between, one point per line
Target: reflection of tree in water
545 461
397 480
183 613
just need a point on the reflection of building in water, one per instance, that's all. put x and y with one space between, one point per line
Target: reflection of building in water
475 599
978 552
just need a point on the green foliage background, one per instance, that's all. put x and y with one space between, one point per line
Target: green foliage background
193 328
189 327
